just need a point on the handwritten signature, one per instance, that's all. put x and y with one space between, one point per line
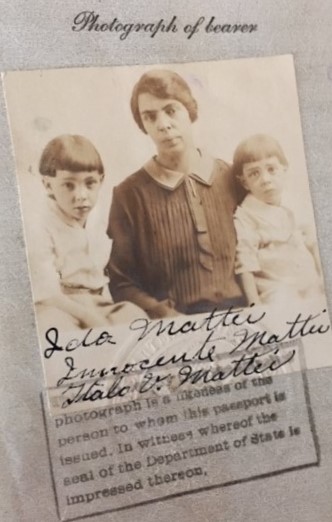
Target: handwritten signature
253 352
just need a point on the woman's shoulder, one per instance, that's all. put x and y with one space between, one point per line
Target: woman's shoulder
223 175
224 172
222 165
133 182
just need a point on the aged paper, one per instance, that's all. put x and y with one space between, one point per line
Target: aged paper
220 412
177 307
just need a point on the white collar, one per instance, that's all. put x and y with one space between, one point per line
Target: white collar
201 169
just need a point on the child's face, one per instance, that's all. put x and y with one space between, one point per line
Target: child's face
75 193
264 179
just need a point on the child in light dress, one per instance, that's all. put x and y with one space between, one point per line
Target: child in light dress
69 255
277 261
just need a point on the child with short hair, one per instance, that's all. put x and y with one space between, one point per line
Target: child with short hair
69 257
276 261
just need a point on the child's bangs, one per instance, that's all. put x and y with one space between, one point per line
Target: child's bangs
73 153
255 149
258 151
79 155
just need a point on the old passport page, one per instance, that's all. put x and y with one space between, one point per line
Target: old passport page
176 279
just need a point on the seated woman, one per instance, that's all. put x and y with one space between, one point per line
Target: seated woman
171 221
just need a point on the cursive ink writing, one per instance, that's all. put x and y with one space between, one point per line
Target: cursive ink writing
52 336
214 320
247 365
251 353
74 373
299 327
95 391
151 381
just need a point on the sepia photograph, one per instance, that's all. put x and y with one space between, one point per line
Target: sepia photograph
166 277
161 191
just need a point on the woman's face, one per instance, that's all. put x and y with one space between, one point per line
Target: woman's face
166 121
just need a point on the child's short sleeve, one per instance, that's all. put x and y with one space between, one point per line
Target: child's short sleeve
247 243
45 278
